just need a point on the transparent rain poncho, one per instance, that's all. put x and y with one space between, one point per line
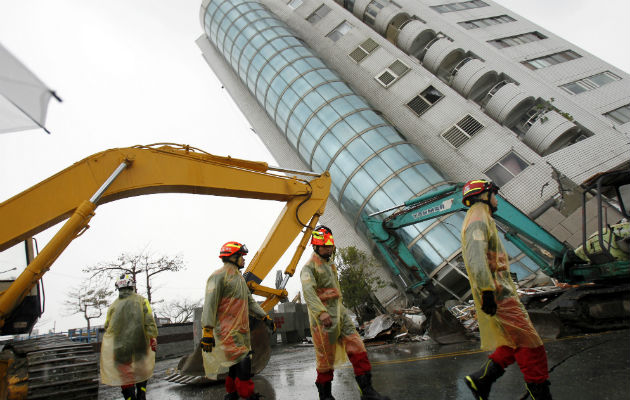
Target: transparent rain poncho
126 355
488 268
322 293
226 308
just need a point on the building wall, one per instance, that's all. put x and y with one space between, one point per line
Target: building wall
505 108
276 143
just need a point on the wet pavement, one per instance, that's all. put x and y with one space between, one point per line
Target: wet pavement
581 368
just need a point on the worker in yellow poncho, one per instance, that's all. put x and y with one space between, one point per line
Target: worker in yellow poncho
129 343
226 340
334 337
504 324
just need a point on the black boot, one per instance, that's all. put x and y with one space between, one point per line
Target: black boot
324 390
255 396
231 396
367 391
539 391
141 390
481 381
129 393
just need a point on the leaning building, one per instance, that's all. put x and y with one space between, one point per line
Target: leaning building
399 98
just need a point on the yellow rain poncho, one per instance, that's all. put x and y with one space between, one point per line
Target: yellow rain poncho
322 293
488 268
126 355
226 308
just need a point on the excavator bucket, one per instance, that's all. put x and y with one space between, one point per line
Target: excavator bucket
190 368
444 327
547 324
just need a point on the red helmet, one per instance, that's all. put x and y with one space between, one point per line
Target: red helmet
322 236
473 188
231 248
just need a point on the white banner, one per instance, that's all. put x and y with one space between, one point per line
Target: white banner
23 97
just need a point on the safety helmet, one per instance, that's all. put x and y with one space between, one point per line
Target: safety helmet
476 187
125 281
322 236
231 248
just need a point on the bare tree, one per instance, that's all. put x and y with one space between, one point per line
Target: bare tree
179 310
88 300
137 265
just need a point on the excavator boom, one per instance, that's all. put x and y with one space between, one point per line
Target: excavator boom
75 192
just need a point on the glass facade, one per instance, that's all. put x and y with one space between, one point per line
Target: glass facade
332 128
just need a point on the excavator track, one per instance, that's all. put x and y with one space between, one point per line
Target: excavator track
54 367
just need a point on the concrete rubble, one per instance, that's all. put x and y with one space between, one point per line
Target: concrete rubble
410 325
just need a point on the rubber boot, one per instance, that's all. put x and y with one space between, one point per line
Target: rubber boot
324 390
231 396
481 381
141 390
539 391
367 391
129 392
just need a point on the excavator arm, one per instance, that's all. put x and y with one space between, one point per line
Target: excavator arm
446 201
126 172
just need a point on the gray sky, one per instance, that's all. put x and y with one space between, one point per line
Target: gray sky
130 73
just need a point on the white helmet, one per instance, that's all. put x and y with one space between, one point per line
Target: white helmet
125 281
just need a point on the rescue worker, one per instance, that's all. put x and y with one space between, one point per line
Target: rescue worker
130 341
504 324
225 321
334 337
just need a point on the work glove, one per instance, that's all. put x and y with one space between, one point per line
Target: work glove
269 322
207 341
153 344
488 305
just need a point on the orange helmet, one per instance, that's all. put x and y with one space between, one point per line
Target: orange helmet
475 187
231 248
322 236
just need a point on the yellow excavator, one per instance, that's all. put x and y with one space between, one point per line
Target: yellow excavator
55 367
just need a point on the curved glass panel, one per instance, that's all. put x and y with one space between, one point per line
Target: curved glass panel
330 126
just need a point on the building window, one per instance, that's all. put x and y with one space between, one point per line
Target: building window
483 22
462 131
465 5
506 169
295 3
318 14
620 115
552 59
339 31
590 83
422 102
392 73
516 40
366 48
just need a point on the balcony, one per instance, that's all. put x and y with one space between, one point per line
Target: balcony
387 19
413 37
441 56
472 78
549 132
506 103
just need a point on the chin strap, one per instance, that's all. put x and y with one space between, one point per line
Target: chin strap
327 258
493 209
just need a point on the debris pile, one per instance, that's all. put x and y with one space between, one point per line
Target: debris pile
411 324
467 316
407 325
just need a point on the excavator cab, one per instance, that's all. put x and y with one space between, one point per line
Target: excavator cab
25 315
28 312
609 244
